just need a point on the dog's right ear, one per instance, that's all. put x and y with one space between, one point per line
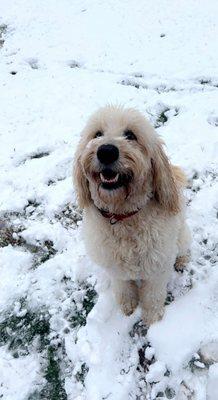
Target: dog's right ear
80 181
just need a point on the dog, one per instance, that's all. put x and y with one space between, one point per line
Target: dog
134 209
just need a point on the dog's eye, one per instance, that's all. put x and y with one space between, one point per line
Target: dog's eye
129 135
98 134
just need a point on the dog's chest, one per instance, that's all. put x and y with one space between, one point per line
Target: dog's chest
126 249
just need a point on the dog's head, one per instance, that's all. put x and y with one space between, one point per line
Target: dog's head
120 163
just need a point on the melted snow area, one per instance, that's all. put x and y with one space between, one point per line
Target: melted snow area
62 336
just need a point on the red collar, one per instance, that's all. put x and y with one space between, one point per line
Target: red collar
114 218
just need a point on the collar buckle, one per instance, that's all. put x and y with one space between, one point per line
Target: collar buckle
113 220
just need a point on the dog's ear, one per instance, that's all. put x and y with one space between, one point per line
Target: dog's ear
80 181
164 185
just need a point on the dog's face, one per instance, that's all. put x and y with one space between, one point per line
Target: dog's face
117 161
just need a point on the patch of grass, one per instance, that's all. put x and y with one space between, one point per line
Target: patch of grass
83 298
213 120
34 396
69 216
24 330
134 83
139 84
74 64
160 115
38 155
162 118
81 374
35 154
19 332
31 203
205 81
80 314
144 363
162 88
41 252
54 387
194 366
160 395
51 182
208 81
10 235
169 298
33 63
138 330
3 29
170 393
9 226
138 75
44 252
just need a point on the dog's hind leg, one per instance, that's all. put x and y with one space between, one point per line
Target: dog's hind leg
127 296
184 242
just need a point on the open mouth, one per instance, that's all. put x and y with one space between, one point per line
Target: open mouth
109 179
113 180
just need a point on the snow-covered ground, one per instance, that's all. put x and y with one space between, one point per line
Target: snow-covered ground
61 336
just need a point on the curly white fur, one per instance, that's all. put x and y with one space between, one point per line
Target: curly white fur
138 252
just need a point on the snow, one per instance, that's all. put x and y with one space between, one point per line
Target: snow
14 267
61 332
24 374
197 309
212 387
156 372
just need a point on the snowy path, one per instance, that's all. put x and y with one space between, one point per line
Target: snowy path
61 336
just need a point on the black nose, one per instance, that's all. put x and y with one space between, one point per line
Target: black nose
107 153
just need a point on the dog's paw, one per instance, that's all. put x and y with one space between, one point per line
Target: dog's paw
129 305
151 316
181 262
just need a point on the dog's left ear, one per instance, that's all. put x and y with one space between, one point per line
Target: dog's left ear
164 185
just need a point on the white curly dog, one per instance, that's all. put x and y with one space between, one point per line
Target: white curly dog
134 210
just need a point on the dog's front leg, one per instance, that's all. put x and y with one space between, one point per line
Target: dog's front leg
152 295
127 295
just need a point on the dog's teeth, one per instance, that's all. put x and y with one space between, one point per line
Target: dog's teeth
112 180
102 178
